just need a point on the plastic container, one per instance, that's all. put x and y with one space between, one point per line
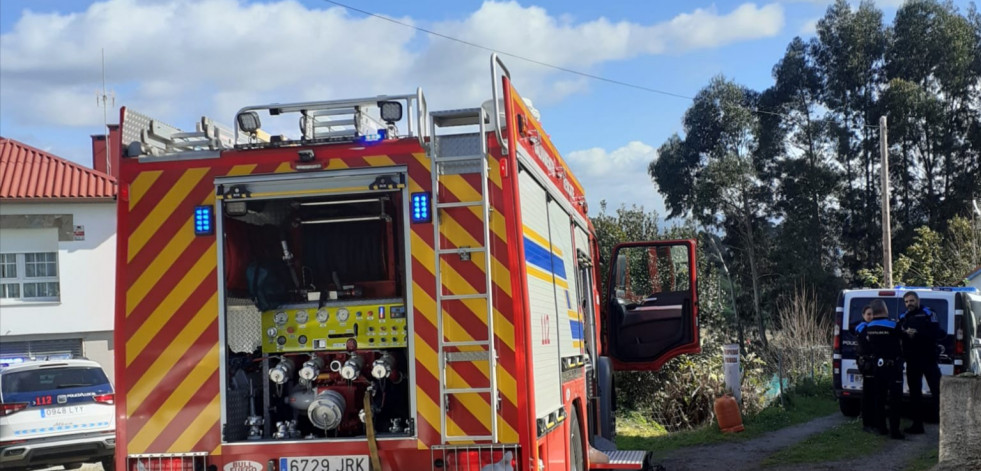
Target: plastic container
727 413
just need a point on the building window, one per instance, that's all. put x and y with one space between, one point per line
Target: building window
29 276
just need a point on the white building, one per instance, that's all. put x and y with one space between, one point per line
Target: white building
57 256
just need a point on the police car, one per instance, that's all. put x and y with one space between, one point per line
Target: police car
957 311
55 412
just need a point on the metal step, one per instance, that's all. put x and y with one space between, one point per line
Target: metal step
457 297
459 117
460 250
449 391
460 158
472 357
459 204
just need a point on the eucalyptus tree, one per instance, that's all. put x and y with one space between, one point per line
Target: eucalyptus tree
932 100
804 173
849 58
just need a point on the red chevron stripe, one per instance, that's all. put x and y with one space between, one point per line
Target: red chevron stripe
167 283
184 313
183 417
460 414
173 377
506 354
177 217
153 195
211 439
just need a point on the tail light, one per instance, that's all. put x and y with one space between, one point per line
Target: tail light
105 398
476 460
837 332
11 407
959 348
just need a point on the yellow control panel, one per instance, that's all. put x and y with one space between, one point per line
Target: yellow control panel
304 328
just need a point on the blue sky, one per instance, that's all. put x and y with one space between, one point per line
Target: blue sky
178 60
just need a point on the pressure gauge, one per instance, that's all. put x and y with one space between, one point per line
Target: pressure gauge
342 315
281 317
302 317
271 332
322 316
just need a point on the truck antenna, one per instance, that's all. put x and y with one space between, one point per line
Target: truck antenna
103 101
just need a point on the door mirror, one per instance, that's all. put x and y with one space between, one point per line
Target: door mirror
651 308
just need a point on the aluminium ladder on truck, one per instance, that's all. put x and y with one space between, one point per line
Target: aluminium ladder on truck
461 154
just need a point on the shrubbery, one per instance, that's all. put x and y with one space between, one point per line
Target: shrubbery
682 394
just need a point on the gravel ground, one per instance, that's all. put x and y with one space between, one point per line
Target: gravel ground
750 454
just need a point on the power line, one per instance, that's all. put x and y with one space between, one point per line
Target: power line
512 55
546 64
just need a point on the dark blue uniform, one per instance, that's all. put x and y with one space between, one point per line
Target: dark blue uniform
881 363
921 331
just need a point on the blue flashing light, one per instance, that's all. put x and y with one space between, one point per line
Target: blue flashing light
420 207
374 137
203 220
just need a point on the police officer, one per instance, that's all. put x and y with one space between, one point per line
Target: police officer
868 375
921 331
881 360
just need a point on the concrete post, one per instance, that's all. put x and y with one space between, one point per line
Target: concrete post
960 422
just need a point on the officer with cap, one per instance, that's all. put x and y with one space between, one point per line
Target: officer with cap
921 331
882 364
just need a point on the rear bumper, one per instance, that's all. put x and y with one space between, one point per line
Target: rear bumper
39 453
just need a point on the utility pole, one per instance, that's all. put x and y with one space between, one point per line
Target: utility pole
886 228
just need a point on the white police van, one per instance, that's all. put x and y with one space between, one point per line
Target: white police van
55 412
958 312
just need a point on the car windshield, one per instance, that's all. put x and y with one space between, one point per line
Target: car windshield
48 379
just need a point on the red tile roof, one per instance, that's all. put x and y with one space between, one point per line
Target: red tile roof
29 173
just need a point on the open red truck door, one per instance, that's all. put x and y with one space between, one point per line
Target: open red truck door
651 307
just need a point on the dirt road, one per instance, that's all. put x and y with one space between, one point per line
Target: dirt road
748 455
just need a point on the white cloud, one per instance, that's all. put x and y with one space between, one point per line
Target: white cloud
618 177
809 28
184 58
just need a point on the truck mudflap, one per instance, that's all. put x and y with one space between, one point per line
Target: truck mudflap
626 459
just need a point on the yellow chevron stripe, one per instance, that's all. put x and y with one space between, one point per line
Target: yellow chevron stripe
194 277
334 164
428 409
146 384
459 237
494 171
425 255
187 183
379 161
156 269
174 404
201 425
284 167
531 234
141 185
427 305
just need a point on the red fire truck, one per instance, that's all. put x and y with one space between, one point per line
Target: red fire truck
387 287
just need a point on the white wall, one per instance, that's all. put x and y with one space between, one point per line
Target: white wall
86 270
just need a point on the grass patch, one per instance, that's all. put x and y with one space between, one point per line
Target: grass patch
925 461
817 448
807 402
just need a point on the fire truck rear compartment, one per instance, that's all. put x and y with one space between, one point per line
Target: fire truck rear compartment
316 317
